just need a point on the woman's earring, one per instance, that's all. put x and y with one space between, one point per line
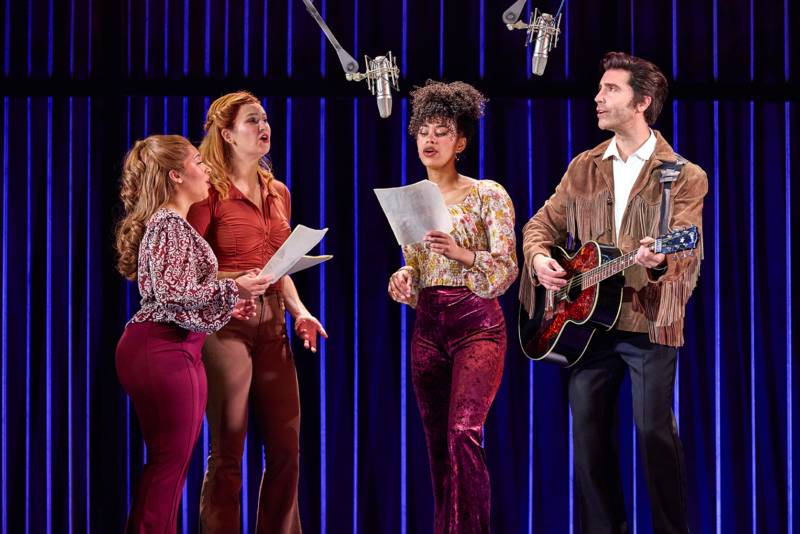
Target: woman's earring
457 156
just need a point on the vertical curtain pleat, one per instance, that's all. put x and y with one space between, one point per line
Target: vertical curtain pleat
84 79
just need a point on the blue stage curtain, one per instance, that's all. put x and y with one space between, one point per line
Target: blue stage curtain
84 79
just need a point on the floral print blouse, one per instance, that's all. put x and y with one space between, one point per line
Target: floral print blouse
178 277
483 223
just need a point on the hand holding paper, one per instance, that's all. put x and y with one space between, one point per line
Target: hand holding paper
414 210
291 258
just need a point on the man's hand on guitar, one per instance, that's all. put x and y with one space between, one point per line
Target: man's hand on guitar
646 258
549 272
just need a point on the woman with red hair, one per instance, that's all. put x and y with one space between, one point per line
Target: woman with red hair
246 220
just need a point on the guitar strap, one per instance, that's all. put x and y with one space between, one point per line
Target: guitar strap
670 170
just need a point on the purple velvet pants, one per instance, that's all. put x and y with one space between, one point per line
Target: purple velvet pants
457 356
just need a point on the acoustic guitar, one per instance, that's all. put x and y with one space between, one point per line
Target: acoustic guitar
564 320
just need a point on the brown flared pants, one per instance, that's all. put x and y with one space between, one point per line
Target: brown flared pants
251 362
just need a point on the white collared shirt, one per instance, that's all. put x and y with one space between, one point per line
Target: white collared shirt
626 172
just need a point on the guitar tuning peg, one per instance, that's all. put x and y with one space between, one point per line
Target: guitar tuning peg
683 255
691 253
675 256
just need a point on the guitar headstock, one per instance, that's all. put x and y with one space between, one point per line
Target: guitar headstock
678 240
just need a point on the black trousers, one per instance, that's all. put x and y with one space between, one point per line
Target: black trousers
594 384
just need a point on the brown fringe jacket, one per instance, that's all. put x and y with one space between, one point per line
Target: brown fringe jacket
583 205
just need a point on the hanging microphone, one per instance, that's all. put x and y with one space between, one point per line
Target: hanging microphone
383 85
381 77
543 28
382 72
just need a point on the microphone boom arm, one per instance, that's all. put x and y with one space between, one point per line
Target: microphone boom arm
349 64
381 74
511 16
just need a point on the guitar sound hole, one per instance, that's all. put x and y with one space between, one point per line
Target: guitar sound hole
572 290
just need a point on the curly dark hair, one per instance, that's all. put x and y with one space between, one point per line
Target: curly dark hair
457 104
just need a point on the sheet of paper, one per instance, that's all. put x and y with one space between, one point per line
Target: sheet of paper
414 210
302 240
308 261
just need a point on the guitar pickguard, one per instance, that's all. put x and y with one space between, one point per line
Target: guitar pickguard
580 309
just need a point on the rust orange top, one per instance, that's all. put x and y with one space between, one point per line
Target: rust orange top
241 236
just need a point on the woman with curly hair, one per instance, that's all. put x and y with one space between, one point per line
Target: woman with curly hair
158 357
453 280
246 220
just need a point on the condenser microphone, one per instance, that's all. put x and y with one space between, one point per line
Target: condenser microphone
544 33
381 76
382 72
383 86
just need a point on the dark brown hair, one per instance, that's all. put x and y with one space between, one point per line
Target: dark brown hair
458 104
644 78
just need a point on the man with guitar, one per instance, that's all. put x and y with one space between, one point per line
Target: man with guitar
614 199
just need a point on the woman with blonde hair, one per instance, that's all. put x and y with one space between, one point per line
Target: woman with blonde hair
246 219
158 357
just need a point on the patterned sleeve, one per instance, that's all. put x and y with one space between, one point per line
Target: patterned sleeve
175 279
411 255
496 269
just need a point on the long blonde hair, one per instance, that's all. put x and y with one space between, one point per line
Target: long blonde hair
216 152
145 189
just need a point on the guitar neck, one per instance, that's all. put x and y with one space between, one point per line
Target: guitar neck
669 243
607 270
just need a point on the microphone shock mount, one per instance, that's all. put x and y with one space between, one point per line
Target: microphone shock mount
378 67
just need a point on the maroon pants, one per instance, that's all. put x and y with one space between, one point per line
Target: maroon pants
250 362
457 357
160 368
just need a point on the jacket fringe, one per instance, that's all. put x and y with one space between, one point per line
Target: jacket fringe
588 218
671 336
665 304
527 291
642 219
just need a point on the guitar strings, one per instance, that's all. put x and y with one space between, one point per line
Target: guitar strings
561 294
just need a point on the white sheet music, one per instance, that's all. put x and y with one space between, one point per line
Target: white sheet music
293 250
414 210
308 261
